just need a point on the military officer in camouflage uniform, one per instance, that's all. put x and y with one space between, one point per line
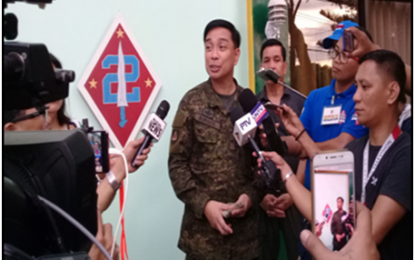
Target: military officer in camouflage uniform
209 172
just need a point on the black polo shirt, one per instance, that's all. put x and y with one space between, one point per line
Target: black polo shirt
295 100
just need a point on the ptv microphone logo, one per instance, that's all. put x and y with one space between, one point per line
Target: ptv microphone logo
245 123
119 84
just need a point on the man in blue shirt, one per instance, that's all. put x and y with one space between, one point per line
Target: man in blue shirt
329 116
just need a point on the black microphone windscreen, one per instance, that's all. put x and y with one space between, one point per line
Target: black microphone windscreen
163 109
236 113
247 99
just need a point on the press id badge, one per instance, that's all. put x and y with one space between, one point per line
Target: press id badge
331 115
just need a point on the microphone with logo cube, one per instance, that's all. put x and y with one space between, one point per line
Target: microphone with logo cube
244 131
153 128
250 104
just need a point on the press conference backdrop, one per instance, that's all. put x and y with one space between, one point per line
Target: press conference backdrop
171 36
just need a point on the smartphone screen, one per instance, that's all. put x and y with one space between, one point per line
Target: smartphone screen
272 106
348 43
99 144
333 198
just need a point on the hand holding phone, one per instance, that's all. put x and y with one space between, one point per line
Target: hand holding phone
361 245
348 41
272 106
100 145
332 187
291 122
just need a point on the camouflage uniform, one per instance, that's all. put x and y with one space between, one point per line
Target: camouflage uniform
205 163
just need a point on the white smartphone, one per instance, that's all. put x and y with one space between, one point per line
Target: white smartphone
332 187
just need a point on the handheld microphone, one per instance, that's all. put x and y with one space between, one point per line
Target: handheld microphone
153 127
343 218
250 104
243 132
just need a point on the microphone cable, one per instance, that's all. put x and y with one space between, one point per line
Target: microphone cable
115 151
77 225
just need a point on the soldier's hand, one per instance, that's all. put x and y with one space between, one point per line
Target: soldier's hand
245 201
213 212
268 202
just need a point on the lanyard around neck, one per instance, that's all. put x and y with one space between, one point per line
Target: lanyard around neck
366 174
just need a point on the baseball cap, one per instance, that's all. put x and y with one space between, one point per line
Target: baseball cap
338 32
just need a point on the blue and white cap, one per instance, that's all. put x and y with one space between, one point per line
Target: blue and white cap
338 32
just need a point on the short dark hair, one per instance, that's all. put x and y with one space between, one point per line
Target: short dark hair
62 117
390 63
340 198
236 37
274 42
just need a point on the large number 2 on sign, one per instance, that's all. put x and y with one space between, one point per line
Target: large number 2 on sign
110 98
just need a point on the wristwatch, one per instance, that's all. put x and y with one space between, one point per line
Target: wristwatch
288 175
112 180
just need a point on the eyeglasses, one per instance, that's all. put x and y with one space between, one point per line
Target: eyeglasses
343 58
43 110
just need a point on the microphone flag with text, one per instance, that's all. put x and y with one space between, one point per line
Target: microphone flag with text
244 131
250 104
153 127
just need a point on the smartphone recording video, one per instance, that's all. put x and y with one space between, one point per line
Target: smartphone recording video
333 198
99 142
348 41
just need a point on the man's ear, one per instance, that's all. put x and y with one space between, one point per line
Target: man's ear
9 127
285 67
393 90
237 54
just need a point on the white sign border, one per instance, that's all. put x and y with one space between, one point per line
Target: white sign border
81 84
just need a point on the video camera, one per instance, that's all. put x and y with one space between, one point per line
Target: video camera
46 167
29 79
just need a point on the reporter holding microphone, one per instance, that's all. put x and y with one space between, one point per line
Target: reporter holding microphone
110 182
135 152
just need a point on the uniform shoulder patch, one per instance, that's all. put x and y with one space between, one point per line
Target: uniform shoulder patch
179 119
174 136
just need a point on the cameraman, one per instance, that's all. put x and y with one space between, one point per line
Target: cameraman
36 119
32 119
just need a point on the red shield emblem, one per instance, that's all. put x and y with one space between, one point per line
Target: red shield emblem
119 84
327 213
